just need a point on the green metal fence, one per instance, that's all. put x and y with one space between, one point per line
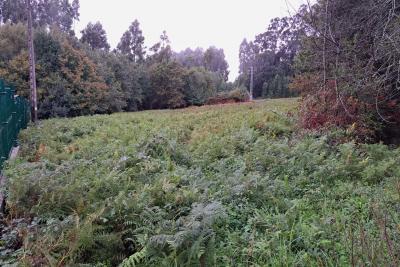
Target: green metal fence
14 116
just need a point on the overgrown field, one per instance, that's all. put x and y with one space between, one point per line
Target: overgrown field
232 185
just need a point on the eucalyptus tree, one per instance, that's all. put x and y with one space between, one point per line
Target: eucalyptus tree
132 43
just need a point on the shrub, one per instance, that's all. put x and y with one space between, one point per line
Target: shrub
234 96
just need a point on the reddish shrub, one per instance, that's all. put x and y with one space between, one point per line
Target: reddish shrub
322 107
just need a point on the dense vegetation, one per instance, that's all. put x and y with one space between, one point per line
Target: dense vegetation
283 182
83 77
232 185
74 79
348 68
348 76
342 57
272 56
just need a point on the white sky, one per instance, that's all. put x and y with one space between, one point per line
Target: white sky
189 23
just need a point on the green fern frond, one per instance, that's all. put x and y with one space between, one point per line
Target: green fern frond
134 259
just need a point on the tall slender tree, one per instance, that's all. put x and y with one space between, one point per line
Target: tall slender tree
162 51
164 39
132 43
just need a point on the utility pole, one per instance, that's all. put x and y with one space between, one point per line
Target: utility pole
32 69
251 82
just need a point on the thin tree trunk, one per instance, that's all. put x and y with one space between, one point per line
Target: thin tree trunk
325 34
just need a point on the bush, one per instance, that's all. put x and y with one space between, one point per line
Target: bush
234 96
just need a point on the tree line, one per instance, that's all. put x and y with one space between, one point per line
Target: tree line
83 76
342 57
271 55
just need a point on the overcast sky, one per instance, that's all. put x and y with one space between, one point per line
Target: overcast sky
189 23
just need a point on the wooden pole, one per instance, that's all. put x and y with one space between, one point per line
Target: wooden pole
251 82
32 69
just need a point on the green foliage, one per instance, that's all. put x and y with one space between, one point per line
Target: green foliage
205 186
95 36
276 87
335 74
69 82
82 77
272 55
200 85
236 95
213 60
166 86
12 40
132 43
50 13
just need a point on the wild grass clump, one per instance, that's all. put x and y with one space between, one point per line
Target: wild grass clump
209 186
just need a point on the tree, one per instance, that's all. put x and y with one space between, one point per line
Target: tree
247 56
60 13
272 56
16 71
348 68
95 36
200 85
38 13
132 43
167 86
126 79
14 11
49 13
13 40
214 60
87 87
69 82
162 51
164 40
190 58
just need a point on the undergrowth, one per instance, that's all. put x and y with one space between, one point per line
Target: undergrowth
229 185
